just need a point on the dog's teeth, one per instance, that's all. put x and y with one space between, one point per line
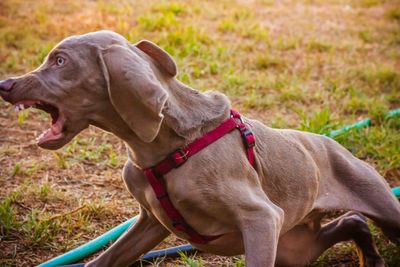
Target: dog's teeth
40 136
21 106
16 109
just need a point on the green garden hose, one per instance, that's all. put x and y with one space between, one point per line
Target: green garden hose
90 247
360 124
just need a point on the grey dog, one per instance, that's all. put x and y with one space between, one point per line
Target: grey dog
272 213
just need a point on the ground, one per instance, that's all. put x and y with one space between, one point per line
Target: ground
311 65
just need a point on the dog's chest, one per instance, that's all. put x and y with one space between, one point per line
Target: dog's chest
138 186
189 192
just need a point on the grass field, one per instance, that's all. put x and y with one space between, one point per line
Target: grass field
312 65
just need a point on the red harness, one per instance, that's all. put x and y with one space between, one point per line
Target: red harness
155 174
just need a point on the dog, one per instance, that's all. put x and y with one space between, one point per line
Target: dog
271 211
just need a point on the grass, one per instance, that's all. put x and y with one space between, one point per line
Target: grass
381 143
320 122
307 65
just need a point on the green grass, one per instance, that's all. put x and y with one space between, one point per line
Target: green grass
8 214
308 65
193 261
38 227
16 170
320 122
380 143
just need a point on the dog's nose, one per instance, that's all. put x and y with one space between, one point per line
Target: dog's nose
7 85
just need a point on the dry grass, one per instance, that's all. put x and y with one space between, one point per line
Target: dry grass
310 64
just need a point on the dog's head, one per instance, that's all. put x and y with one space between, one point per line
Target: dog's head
92 79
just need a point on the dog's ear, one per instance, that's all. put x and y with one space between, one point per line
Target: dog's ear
159 55
134 90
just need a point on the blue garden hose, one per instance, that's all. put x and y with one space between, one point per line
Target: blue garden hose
151 256
396 191
170 252
103 240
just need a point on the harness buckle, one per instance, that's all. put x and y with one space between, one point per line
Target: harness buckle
249 139
247 135
177 158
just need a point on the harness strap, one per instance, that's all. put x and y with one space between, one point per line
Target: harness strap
178 222
155 174
247 135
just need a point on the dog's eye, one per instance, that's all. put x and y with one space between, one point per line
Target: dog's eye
60 61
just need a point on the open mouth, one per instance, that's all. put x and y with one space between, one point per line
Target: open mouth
57 124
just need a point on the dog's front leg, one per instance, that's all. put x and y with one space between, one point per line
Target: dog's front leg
260 231
141 237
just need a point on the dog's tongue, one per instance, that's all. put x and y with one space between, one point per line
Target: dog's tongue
51 134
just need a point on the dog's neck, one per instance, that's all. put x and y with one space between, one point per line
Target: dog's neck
188 115
191 113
